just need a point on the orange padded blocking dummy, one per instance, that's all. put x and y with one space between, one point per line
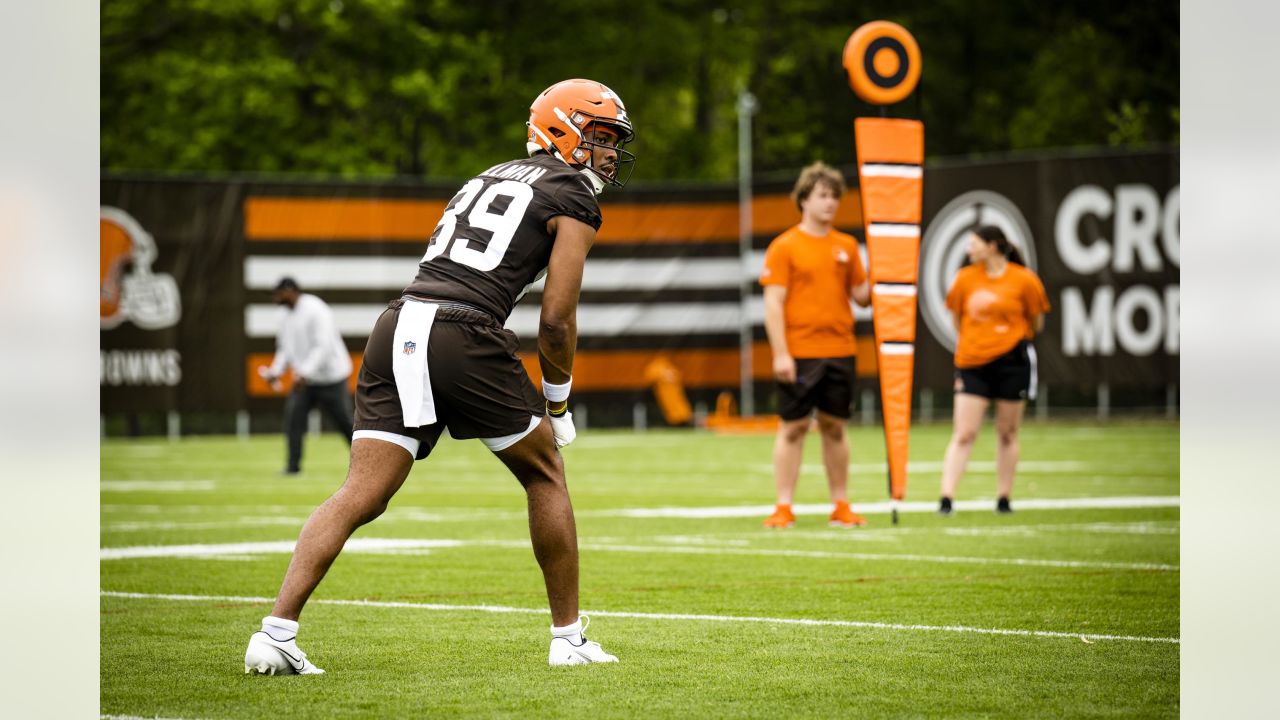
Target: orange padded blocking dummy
891 179
668 387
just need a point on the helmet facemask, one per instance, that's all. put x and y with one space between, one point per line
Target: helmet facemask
584 154
562 118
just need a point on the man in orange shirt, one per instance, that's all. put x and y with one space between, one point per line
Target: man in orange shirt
811 271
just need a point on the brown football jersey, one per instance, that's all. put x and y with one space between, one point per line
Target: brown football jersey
492 242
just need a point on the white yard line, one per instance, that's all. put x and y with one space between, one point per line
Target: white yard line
660 616
935 466
955 559
734 511
137 717
408 513
357 545
146 525
398 546
1137 528
157 485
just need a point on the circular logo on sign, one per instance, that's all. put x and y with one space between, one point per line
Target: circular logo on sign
942 251
883 62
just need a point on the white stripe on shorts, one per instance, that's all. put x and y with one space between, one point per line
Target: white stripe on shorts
404 441
1031 356
506 441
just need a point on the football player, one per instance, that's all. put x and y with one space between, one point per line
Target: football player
438 357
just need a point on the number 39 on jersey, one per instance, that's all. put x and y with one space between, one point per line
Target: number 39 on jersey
481 213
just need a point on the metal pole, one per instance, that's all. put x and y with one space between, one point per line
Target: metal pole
746 108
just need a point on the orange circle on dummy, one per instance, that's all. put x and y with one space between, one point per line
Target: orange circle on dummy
883 62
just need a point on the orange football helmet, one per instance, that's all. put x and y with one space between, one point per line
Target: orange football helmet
560 116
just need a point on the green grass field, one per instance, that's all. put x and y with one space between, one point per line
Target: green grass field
917 614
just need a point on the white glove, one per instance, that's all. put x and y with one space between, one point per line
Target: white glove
562 428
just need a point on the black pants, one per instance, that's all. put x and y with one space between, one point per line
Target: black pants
333 400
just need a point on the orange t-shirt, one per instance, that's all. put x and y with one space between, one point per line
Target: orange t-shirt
818 273
995 313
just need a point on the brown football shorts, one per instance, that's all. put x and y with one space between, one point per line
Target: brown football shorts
479 385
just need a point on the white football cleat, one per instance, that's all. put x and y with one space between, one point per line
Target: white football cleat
268 656
564 652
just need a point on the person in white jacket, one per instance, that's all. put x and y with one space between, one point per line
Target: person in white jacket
310 344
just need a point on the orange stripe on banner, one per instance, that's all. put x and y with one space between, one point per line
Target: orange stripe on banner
257 387
893 259
895 317
775 213
705 222
625 369
612 370
706 368
347 219
337 219
895 397
883 140
892 199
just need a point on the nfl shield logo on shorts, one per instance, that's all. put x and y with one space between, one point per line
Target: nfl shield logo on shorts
409 347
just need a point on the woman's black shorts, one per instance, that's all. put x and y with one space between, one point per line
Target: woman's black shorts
1011 376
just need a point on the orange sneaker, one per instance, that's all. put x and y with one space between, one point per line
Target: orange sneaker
782 517
842 516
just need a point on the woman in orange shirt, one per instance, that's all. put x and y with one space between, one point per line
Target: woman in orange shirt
998 305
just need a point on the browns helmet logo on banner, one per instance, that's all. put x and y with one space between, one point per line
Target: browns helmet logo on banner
128 289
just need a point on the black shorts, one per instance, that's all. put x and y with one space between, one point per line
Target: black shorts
822 383
479 385
1011 376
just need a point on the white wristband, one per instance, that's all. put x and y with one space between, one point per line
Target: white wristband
556 393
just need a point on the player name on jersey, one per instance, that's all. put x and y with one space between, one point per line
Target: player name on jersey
521 171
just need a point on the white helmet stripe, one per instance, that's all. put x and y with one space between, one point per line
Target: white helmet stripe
565 119
611 94
617 101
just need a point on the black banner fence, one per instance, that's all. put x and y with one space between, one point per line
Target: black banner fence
187 265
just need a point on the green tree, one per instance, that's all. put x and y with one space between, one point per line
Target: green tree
375 88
